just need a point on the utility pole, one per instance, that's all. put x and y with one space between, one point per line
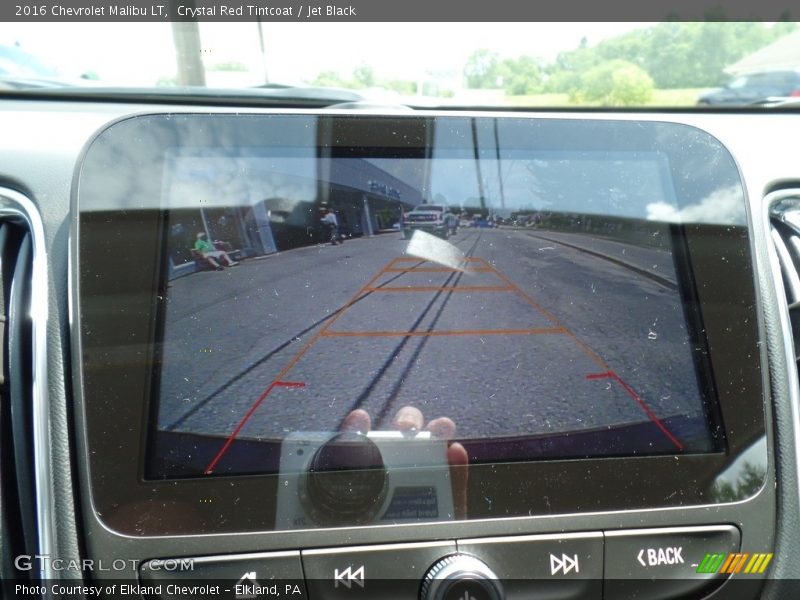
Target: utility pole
186 37
263 49
476 152
499 170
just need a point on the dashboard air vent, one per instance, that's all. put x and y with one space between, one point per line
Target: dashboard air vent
785 231
17 486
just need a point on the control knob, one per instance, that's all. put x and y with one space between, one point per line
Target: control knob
460 577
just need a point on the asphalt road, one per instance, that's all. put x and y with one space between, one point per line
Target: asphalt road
533 337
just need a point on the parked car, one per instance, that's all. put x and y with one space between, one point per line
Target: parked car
432 218
481 221
753 88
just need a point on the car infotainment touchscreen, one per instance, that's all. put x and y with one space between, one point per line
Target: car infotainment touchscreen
358 316
531 300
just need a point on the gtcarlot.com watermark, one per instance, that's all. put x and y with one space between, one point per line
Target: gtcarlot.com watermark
40 562
45 562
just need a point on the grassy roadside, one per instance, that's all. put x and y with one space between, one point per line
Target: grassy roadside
666 98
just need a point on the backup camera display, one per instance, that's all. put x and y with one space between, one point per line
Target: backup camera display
522 306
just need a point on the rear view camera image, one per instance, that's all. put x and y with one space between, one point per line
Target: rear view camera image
450 308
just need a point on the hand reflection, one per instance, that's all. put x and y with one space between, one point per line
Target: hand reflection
410 418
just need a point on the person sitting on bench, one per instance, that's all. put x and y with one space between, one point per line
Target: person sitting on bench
210 252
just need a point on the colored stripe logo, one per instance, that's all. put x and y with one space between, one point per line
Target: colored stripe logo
735 563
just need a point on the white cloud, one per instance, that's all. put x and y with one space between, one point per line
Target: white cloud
722 206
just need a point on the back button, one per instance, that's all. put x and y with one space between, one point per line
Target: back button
662 564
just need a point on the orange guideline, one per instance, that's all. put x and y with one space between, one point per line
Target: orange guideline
480 265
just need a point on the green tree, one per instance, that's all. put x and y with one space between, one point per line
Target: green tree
614 83
230 65
521 75
632 46
401 86
681 55
670 56
364 76
564 75
747 483
330 79
674 54
483 70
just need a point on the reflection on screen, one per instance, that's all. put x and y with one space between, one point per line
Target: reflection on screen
531 300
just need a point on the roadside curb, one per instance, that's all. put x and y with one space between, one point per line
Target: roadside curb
622 263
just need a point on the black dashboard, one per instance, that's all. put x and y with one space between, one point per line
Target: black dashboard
428 354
